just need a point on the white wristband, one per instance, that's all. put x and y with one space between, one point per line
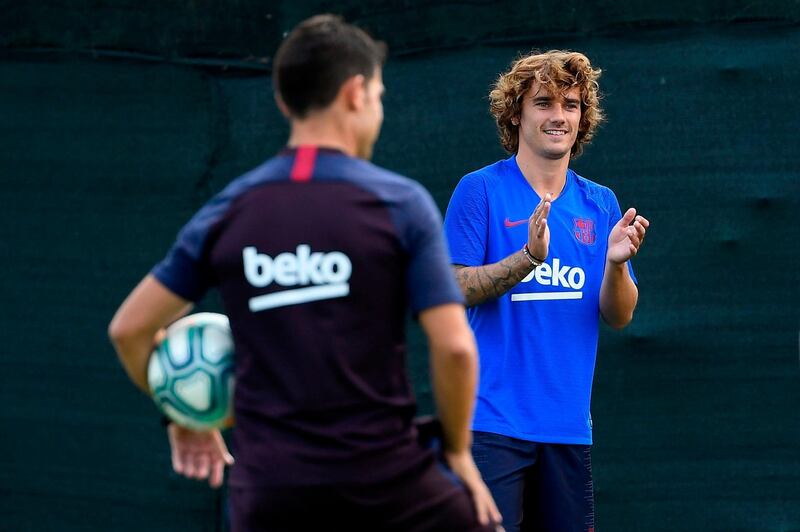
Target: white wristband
533 260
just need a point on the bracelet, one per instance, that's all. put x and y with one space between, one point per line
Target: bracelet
533 260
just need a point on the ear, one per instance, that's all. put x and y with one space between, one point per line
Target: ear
515 120
353 92
282 106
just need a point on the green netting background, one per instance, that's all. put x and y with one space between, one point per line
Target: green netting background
118 119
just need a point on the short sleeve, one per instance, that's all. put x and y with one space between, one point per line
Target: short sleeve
182 274
466 222
430 277
615 215
186 270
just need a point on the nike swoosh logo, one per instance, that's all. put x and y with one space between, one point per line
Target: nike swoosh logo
509 223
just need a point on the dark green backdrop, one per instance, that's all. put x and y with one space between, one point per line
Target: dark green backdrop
117 120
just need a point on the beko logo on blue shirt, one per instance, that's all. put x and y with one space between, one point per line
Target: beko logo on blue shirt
321 276
572 277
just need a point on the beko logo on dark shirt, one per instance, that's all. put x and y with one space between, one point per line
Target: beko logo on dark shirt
320 276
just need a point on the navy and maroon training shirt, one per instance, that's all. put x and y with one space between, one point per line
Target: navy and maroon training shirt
318 257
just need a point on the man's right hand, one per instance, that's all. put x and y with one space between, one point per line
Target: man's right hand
198 455
538 232
465 469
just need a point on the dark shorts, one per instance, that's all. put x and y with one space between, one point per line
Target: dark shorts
423 500
542 487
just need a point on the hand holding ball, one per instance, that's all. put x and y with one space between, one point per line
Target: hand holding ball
191 372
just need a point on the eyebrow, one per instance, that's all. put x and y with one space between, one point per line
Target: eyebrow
538 99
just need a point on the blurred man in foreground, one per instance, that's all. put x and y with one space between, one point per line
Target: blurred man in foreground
318 256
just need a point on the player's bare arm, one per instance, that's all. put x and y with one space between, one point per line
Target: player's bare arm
148 308
481 283
454 362
133 331
454 372
618 293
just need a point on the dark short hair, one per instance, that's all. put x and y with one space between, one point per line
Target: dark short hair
317 57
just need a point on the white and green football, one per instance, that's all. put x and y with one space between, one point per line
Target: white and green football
191 372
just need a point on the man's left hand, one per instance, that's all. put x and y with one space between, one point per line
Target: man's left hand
627 237
198 455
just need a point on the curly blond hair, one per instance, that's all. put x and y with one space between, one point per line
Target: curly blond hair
558 71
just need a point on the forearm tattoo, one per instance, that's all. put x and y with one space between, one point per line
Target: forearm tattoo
481 283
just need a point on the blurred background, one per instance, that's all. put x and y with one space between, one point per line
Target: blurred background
118 119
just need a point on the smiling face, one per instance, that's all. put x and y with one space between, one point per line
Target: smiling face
548 123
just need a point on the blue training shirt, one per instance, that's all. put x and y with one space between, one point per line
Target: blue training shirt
538 342
318 258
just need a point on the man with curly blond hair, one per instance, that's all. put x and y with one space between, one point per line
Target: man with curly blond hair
535 301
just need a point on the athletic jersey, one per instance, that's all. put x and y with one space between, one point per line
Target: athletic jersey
318 257
538 341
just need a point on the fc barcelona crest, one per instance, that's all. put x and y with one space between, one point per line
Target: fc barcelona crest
583 229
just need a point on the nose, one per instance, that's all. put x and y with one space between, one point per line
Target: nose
558 114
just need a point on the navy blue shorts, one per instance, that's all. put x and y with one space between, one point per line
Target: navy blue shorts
542 487
420 501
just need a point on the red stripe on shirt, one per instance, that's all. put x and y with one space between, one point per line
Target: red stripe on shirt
304 160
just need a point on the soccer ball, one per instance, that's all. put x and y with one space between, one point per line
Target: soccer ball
191 374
